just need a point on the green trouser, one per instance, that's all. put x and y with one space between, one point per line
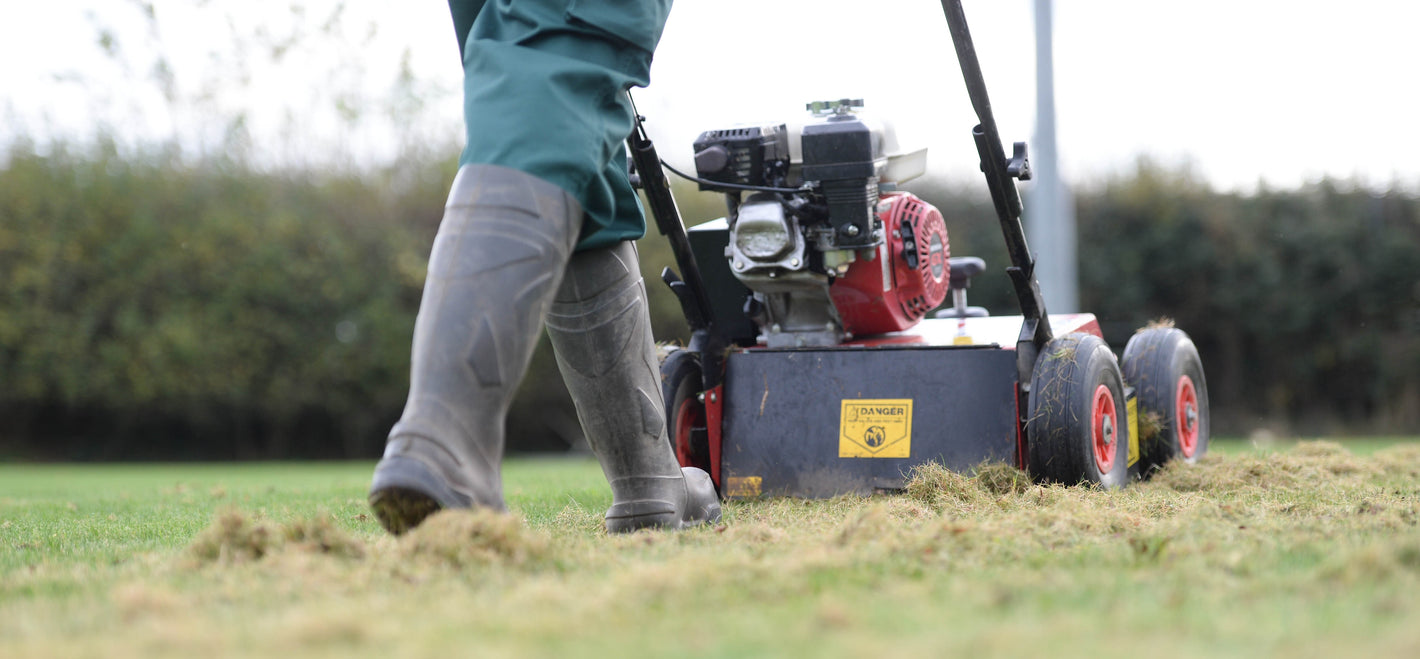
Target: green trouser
544 93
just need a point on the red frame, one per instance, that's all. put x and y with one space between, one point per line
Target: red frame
714 414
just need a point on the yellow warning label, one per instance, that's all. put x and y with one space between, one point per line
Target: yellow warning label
875 429
743 487
1132 408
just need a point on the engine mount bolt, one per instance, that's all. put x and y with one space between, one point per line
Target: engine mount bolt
776 328
851 230
794 262
739 265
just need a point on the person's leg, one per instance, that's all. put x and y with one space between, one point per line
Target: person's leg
545 86
601 332
546 113
497 261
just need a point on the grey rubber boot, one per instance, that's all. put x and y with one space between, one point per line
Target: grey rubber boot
498 259
601 332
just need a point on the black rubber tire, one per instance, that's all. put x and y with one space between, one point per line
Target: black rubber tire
1075 387
1156 362
680 387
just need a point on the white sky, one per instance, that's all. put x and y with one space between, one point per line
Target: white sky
1247 90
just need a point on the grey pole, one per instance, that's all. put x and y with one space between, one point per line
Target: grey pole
1050 208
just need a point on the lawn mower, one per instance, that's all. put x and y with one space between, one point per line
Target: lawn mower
813 367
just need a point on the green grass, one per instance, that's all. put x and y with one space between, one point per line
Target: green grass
1357 445
1308 549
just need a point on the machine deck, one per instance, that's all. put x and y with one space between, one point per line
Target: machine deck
820 422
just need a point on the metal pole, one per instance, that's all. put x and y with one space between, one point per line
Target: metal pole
1050 215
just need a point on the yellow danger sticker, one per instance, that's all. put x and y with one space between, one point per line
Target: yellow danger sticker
875 429
743 487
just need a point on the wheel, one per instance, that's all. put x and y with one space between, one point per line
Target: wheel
1162 365
685 412
1078 428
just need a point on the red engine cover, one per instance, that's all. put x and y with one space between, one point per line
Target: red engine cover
906 279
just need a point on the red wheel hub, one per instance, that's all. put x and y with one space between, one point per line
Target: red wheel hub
690 415
1105 429
1186 412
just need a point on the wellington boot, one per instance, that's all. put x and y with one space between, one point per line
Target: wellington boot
601 332
497 261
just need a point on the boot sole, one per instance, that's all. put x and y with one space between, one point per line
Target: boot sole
405 491
401 509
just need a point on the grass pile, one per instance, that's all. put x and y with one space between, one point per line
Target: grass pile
1312 551
473 539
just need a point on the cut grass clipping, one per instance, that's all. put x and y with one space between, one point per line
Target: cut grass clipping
1313 551
235 537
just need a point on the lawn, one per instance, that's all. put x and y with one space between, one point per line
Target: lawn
1298 550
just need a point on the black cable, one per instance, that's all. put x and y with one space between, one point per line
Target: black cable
708 182
730 186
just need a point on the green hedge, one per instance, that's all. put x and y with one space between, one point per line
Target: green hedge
151 308
1304 303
